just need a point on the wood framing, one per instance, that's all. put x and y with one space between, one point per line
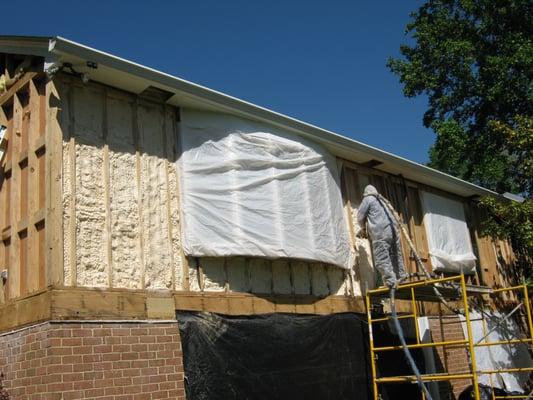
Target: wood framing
22 183
91 219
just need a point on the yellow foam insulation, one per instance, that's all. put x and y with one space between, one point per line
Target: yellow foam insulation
67 222
124 210
90 193
142 243
144 217
156 247
364 266
173 190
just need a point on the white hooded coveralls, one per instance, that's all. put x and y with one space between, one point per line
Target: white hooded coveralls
385 236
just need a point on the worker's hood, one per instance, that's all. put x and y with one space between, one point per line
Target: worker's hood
370 191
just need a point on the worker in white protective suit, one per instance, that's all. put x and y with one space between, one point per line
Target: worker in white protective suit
384 235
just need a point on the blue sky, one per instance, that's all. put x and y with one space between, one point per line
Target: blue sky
321 62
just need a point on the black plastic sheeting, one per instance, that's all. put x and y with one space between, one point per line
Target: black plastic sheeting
283 356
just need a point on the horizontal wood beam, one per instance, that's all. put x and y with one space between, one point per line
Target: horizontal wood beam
67 303
28 310
18 85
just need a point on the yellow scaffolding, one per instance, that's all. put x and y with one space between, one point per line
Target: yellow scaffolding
452 288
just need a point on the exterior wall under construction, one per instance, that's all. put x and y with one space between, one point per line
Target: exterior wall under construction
91 200
91 246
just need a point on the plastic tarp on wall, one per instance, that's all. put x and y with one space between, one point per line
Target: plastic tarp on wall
450 247
249 189
286 356
501 356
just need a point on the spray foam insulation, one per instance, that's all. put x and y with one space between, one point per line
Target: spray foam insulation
89 197
143 242
124 207
126 228
156 250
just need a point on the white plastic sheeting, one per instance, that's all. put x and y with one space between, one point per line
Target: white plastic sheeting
449 242
501 356
249 189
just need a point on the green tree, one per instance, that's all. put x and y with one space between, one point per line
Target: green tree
514 220
473 59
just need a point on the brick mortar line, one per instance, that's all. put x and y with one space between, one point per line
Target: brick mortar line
92 321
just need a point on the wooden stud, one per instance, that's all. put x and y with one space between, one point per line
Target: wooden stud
291 277
107 190
5 204
200 274
138 173
14 263
53 184
72 205
33 185
347 192
184 259
168 139
416 222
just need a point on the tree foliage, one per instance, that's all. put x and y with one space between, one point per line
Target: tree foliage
473 59
511 219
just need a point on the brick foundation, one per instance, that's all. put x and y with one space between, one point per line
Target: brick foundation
111 361
451 360
137 361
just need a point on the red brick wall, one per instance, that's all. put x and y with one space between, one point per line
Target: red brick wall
452 360
105 361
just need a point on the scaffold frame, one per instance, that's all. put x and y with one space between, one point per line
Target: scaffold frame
468 343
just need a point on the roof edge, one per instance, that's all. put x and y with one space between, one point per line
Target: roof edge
58 46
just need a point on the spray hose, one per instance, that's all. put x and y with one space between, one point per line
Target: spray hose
420 266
